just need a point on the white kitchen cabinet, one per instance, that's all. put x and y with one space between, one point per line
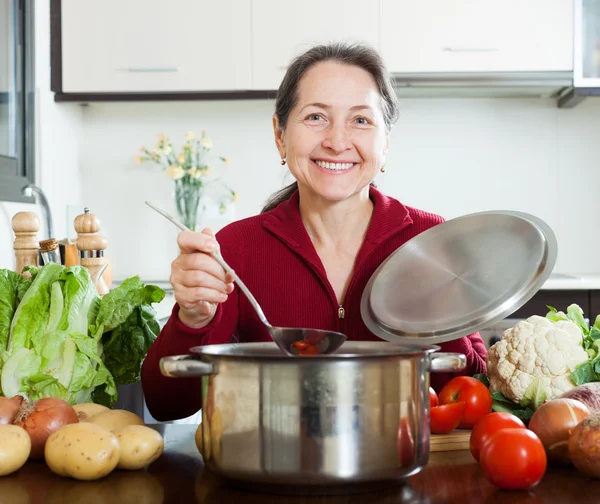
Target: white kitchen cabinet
117 46
283 28
477 35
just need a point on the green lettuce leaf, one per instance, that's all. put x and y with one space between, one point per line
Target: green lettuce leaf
25 283
127 344
9 282
126 325
31 316
118 304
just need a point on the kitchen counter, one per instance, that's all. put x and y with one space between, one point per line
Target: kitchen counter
179 476
564 281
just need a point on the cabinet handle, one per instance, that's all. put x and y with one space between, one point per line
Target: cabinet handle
148 69
457 49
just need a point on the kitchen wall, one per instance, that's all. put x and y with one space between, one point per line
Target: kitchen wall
451 156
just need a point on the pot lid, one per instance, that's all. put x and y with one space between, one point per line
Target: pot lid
459 277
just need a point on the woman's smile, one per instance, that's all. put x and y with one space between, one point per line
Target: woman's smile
333 167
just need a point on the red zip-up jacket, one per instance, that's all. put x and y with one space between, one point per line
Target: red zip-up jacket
274 256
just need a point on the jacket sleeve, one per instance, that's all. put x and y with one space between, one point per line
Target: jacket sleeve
473 348
175 398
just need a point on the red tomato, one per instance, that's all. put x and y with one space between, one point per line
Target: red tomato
433 398
487 426
475 395
406 443
513 459
446 418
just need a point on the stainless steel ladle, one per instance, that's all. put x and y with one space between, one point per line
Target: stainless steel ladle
324 341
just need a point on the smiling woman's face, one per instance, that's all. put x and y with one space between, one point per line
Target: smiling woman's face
335 139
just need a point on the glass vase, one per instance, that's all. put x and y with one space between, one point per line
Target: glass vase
188 200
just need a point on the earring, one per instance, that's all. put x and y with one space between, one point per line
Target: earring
382 170
282 161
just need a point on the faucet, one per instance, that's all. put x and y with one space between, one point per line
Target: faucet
28 191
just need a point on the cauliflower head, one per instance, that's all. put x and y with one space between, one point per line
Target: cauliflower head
535 351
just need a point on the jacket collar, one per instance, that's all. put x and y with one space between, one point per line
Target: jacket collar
389 217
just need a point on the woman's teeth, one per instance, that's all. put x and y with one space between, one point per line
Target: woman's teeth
334 166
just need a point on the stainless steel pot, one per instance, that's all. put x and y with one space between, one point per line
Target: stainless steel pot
360 415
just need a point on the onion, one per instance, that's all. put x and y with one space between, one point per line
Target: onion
41 418
553 423
9 408
588 394
584 446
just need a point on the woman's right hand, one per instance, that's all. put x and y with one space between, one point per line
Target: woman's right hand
199 282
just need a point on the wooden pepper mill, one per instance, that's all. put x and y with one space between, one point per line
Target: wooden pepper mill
26 246
91 248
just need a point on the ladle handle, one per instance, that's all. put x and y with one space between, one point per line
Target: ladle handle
217 257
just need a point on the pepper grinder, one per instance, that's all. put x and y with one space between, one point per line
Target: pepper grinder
91 248
26 225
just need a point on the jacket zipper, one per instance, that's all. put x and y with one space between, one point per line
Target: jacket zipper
341 312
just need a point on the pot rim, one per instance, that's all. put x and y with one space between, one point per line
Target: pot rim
351 350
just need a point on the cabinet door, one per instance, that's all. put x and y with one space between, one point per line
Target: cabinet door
151 46
477 35
281 29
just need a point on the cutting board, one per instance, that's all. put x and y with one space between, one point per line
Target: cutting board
456 440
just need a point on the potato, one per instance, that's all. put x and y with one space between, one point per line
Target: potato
85 411
84 451
140 446
15 447
116 419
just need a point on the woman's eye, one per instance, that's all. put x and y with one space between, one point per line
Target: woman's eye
362 120
314 117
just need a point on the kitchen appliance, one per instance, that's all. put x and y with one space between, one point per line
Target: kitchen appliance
323 423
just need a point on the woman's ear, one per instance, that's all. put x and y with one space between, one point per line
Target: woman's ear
279 139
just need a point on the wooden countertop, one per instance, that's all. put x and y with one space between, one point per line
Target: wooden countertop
179 476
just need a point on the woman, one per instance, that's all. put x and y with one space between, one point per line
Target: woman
308 256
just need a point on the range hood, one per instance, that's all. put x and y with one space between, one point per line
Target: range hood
484 84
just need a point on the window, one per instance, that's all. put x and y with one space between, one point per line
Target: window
16 98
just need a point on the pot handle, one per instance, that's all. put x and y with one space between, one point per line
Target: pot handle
185 366
441 361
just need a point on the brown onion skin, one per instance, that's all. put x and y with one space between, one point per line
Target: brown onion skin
10 408
584 446
553 423
41 418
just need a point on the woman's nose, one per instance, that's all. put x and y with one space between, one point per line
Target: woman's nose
337 138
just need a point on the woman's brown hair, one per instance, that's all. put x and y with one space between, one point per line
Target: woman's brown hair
357 55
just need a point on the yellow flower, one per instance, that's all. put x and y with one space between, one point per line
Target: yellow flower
155 154
181 158
137 159
161 136
195 173
206 143
190 135
167 149
175 172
